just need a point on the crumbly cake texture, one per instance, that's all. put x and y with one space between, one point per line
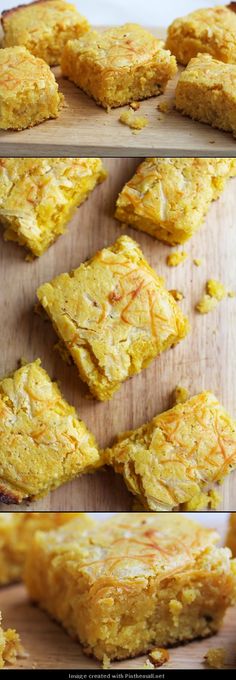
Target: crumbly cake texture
138 581
43 27
43 443
172 461
38 196
118 66
210 30
10 646
169 197
114 315
16 532
231 535
206 91
28 90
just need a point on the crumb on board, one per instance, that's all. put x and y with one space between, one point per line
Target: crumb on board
176 258
135 105
13 648
231 294
148 664
165 107
215 657
158 657
216 289
176 294
106 662
214 499
197 261
201 500
134 122
206 304
181 394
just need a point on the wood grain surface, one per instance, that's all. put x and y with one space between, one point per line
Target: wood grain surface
83 128
206 359
49 646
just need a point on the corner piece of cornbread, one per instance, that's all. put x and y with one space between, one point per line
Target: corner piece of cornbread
231 535
43 27
137 581
210 30
28 90
120 65
10 646
206 91
38 196
16 532
42 441
114 315
171 462
169 197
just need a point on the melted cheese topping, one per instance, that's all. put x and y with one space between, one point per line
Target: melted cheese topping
18 67
205 30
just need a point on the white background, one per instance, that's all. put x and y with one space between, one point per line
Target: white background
148 13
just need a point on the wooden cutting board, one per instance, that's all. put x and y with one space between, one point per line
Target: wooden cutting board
83 128
206 359
48 646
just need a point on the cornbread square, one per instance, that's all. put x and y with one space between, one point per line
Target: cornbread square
38 196
210 30
231 535
114 316
206 91
43 27
138 581
172 462
43 443
28 90
118 66
10 646
16 532
169 197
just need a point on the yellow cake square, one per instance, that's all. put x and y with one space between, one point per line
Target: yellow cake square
172 462
28 90
118 66
169 197
206 91
10 645
43 27
42 441
114 315
138 581
38 196
211 30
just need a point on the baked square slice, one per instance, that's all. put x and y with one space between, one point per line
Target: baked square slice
169 197
10 646
172 462
139 581
206 91
231 535
43 443
210 30
43 27
114 315
118 66
28 90
38 196
16 532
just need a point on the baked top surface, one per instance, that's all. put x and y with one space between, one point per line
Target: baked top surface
36 193
208 23
129 546
42 441
20 71
173 190
44 14
178 453
117 48
115 308
206 72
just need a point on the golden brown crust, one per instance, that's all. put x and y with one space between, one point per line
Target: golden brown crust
8 12
7 498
